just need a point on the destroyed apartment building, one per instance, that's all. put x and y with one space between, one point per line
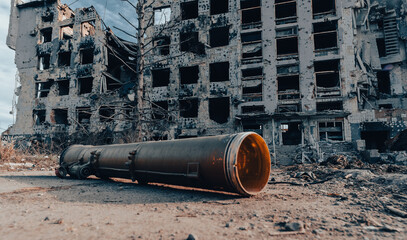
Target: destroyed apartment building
70 72
298 72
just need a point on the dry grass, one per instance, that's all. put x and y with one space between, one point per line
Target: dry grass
12 159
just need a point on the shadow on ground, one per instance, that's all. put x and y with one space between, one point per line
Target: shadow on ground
114 191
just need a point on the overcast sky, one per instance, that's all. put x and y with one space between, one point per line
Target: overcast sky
7 66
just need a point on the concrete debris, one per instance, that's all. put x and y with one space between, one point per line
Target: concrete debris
397 212
338 161
398 143
305 175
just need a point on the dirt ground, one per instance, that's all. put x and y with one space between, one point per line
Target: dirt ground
300 202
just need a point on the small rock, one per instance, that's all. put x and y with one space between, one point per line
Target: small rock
191 237
227 225
242 229
46 219
295 226
59 221
318 231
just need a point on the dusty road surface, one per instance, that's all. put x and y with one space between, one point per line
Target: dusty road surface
302 202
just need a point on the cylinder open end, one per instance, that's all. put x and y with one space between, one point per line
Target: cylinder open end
251 164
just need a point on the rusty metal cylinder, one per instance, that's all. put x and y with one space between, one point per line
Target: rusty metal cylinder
238 163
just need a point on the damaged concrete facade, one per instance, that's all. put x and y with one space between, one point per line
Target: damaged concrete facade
298 72
295 71
71 81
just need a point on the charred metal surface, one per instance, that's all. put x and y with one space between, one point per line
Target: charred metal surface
237 163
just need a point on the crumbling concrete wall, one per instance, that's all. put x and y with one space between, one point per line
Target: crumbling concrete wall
63 62
319 67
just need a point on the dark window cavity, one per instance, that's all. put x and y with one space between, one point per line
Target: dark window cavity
60 116
219 109
291 133
85 85
46 35
189 108
39 117
189 75
189 10
323 7
251 11
44 62
189 41
383 78
219 72
219 36
63 87
251 37
64 59
87 55
251 73
161 77
219 6
43 88
287 46
162 45
325 35
286 11
160 109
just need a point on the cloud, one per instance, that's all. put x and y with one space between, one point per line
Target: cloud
7 69
109 11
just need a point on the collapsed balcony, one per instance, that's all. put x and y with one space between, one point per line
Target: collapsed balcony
252 74
288 87
253 93
332 131
327 78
